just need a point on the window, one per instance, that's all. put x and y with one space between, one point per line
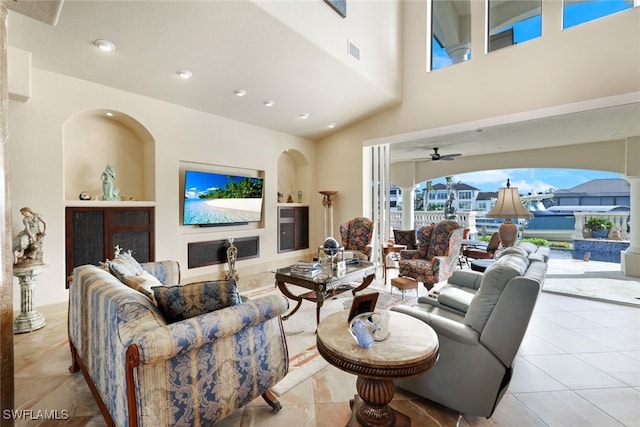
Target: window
442 195
576 12
464 195
513 22
450 32
464 206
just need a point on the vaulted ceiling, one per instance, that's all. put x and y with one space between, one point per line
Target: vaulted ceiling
243 47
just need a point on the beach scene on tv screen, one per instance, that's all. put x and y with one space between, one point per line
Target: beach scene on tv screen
220 199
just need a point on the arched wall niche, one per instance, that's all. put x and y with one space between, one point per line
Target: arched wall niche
92 140
294 176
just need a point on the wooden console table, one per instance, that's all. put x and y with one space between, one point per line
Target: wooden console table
411 349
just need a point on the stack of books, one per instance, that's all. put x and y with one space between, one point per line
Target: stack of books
306 269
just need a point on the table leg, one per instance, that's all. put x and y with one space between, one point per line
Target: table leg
365 282
319 304
285 291
371 405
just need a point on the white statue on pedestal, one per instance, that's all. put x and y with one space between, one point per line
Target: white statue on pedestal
28 244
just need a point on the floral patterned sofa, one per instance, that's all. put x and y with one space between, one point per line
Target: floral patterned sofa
437 255
356 236
145 367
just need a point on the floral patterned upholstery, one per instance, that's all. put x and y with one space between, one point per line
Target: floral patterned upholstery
356 236
437 254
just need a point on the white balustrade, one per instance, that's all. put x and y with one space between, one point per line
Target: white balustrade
422 218
619 220
468 220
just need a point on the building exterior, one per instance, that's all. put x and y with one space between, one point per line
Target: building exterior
465 196
597 192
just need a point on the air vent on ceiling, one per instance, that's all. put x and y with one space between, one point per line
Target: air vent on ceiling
353 50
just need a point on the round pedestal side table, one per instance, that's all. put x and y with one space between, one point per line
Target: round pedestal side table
411 349
29 318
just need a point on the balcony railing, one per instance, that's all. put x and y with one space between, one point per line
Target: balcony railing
468 220
422 218
619 220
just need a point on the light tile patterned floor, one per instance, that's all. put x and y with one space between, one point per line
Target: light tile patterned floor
579 364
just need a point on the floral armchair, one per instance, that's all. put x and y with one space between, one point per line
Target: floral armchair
437 254
356 236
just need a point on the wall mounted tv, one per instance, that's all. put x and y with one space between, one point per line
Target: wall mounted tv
212 199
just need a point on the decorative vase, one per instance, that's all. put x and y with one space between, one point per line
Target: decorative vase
599 234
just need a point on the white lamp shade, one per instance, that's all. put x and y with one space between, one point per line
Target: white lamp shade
509 205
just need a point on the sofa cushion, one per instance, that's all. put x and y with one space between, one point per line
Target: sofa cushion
536 257
514 250
144 282
456 298
527 246
495 279
183 302
124 265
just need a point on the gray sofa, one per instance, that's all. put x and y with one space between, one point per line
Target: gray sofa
480 319
455 296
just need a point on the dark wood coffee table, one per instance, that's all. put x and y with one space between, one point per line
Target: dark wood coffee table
411 349
321 288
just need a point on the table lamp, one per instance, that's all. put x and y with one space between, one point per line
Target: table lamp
508 206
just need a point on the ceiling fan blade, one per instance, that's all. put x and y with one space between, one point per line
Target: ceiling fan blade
449 156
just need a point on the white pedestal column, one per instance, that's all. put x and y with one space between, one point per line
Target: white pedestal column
29 318
408 210
630 259
327 204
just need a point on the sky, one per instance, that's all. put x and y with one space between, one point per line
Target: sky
531 180
202 182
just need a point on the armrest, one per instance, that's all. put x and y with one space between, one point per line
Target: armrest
165 342
466 279
443 326
410 254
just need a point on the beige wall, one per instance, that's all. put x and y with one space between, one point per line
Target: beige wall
37 144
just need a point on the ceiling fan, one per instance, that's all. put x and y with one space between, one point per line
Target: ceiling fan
435 156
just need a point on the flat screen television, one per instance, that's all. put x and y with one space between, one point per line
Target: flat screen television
212 199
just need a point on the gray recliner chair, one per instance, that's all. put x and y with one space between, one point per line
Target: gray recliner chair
478 348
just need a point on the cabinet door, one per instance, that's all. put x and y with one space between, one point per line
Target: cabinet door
293 228
302 227
286 229
85 242
92 233
131 229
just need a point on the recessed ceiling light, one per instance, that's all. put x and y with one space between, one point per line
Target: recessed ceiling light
304 116
240 92
110 114
184 74
104 45
331 125
269 103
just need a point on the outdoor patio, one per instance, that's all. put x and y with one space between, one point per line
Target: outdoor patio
601 281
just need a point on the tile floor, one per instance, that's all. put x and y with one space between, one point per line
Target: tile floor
579 364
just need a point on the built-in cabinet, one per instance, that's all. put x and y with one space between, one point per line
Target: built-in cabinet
93 232
293 228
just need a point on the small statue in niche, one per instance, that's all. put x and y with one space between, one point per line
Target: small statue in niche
109 192
232 255
28 244
289 198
